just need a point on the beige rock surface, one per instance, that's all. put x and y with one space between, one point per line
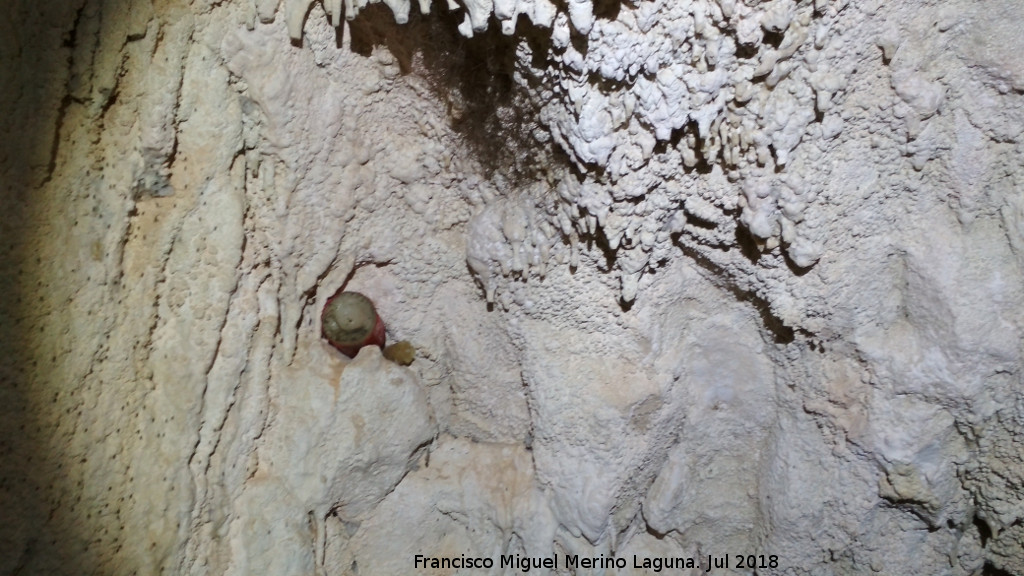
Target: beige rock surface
684 278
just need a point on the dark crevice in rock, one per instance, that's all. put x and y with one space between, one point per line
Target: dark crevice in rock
779 332
473 77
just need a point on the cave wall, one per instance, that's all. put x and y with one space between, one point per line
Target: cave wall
684 279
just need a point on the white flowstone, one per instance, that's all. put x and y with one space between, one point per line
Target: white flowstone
755 274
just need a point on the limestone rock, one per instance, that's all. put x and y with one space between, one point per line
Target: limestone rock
684 278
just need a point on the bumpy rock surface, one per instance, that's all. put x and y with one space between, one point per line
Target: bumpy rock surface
684 278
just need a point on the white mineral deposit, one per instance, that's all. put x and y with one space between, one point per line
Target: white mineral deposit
681 286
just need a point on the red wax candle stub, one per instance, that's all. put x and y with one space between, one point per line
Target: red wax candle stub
349 322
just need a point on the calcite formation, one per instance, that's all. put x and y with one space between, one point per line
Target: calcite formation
687 281
716 87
